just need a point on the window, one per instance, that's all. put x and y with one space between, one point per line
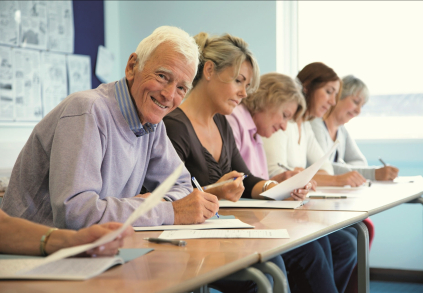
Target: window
380 43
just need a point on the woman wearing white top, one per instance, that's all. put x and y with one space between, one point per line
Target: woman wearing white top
348 156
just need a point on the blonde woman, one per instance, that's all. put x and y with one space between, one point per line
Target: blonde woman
203 139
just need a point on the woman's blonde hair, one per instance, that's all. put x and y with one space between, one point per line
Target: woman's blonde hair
274 90
225 51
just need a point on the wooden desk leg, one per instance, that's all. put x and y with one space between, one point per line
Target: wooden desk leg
252 274
279 278
363 257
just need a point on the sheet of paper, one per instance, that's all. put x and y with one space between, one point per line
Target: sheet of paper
10 17
33 24
284 189
264 204
79 73
208 224
104 64
193 234
54 79
154 199
60 26
64 269
27 75
7 96
407 179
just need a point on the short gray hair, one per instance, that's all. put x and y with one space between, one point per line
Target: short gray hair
182 41
353 86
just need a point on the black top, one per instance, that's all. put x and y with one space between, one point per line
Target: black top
199 162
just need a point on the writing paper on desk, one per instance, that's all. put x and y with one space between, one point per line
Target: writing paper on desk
208 224
63 269
148 204
195 234
283 190
258 203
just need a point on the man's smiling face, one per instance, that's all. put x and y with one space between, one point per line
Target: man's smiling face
161 85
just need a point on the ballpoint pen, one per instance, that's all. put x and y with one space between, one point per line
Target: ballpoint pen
327 197
199 188
384 164
222 183
285 167
174 242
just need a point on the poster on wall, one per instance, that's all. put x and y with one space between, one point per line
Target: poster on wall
60 26
33 24
54 80
10 16
6 84
28 105
104 64
79 73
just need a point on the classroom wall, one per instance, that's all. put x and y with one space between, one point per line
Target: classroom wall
128 22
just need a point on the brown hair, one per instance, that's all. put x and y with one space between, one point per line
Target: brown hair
225 51
274 90
314 76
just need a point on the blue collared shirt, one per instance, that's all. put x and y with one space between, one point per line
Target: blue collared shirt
129 111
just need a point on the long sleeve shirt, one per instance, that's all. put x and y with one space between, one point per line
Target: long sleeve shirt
349 155
249 143
82 165
286 148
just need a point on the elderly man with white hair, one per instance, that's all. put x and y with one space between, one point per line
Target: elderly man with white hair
87 160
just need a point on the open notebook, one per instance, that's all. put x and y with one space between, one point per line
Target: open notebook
58 267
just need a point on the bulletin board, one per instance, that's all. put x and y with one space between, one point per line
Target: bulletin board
48 50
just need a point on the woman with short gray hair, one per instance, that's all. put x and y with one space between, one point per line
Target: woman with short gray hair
348 156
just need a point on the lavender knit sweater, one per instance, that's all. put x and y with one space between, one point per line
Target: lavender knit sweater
83 165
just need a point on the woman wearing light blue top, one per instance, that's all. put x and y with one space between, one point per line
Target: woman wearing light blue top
348 156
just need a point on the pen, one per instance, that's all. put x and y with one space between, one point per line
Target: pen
159 240
199 188
327 197
285 167
222 183
384 164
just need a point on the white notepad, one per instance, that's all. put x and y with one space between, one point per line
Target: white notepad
193 234
208 224
65 269
264 204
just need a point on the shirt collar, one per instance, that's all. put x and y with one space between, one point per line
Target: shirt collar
248 119
129 110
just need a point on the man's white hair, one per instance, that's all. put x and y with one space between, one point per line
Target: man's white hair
182 41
